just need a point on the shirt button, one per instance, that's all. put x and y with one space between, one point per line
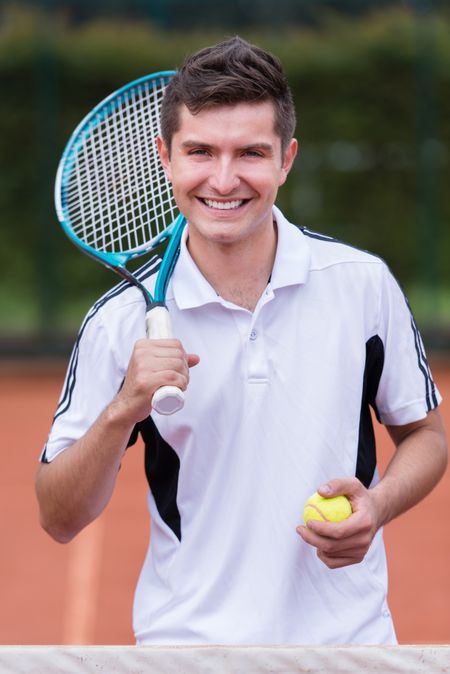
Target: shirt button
253 335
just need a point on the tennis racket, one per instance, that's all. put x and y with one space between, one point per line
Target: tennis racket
115 203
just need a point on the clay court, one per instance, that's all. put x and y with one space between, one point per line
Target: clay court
82 593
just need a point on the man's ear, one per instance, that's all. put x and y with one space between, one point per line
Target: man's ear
164 156
288 159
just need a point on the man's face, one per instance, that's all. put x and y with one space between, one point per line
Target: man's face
226 166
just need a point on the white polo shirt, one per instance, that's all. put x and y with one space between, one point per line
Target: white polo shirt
278 405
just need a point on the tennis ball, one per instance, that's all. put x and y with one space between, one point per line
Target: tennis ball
334 509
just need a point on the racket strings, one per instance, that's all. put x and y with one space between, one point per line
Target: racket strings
117 195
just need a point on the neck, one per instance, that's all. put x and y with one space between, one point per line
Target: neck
239 273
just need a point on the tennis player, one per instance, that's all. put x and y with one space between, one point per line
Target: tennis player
286 338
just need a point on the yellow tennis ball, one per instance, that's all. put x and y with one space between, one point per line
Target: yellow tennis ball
334 509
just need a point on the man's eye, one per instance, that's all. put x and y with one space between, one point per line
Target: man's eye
253 153
198 151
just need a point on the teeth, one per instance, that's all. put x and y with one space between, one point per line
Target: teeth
223 205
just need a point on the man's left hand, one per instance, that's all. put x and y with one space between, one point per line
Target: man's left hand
343 543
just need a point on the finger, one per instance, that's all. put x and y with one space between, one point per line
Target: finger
168 362
358 524
153 345
332 530
146 343
352 548
355 552
159 350
339 562
332 545
169 378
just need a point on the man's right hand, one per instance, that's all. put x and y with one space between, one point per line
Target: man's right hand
153 363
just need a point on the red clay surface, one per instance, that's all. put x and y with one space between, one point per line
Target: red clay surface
83 592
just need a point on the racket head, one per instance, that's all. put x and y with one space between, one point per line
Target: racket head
112 196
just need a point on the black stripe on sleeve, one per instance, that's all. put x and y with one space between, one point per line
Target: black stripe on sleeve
143 273
422 362
430 387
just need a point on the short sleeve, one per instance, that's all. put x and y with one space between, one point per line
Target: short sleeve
92 380
406 391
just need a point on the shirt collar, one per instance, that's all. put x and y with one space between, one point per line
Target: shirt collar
293 256
190 289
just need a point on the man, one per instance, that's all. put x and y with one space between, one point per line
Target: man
297 335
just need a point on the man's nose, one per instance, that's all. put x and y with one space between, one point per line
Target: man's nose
224 178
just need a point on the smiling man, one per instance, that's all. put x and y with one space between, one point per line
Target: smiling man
293 336
226 165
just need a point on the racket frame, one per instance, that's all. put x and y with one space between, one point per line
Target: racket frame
157 316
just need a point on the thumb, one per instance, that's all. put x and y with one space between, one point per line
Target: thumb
349 486
192 359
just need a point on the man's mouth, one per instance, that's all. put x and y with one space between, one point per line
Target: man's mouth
224 205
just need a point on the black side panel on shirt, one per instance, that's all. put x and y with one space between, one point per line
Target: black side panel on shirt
366 462
162 467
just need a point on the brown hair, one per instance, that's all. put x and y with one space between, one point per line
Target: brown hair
229 73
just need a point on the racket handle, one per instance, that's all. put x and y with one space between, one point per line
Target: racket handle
167 399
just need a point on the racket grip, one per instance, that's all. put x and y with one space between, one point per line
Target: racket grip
167 399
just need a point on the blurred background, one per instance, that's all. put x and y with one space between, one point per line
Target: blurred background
371 83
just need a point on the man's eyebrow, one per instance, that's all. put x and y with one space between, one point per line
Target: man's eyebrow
191 143
194 143
261 146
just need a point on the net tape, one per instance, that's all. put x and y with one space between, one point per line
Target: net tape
117 195
224 660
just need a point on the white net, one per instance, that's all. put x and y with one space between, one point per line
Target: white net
114 191
224 660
